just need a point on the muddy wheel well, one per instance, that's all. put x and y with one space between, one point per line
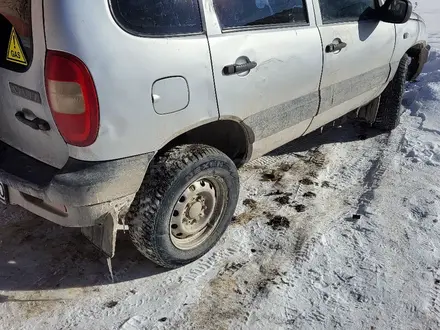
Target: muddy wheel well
227 136
417 54
414 50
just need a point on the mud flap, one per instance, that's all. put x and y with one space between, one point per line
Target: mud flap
103 234
419 57
369 112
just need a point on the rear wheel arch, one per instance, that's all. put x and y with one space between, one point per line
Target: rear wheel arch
229 136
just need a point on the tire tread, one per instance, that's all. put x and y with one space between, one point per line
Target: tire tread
388 115
160 176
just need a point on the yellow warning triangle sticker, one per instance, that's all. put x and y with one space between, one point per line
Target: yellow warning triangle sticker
15 52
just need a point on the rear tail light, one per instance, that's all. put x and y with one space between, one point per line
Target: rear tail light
72 98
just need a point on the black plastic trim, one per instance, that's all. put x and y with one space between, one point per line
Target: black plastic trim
78 183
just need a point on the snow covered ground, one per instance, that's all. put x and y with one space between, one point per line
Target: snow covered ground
294 258
430 10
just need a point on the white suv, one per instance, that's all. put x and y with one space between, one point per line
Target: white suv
137 113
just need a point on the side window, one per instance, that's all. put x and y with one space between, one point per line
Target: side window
247 13
346 10
158 17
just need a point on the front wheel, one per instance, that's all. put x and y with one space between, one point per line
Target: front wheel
184 205
388 115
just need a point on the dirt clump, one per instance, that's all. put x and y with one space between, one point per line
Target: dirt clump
111 304
325 184
251 203
278 222
277 193
283 200
285 167
272 175
306 182
300 208
242 218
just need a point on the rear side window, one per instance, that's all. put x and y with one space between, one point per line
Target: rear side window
346 10
250 13
158 17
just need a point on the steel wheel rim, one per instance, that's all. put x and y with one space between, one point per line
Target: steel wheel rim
197 212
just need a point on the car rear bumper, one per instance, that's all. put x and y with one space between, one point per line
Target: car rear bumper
419 55
78 194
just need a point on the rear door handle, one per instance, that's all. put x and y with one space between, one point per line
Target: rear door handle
335 47
239 68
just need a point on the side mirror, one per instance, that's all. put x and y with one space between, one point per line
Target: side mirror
396 11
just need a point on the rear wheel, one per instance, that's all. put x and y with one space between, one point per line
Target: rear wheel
184 205
388 115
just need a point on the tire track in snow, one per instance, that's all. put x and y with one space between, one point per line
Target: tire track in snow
208 263
306 241
434 294
190 287
373 177
256 280
278 156
303 239
390 144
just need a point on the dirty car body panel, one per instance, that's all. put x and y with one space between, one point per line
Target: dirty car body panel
278 98
277 69
357 73
48 147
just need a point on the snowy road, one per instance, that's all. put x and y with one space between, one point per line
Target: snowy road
294 258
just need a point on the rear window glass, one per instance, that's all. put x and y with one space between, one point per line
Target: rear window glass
158 17
15 14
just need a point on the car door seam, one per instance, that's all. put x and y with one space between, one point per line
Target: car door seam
322 58
213 76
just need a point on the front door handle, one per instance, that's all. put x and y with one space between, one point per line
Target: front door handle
238 68
335 47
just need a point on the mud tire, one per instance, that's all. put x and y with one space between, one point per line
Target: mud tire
168 176
388 115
